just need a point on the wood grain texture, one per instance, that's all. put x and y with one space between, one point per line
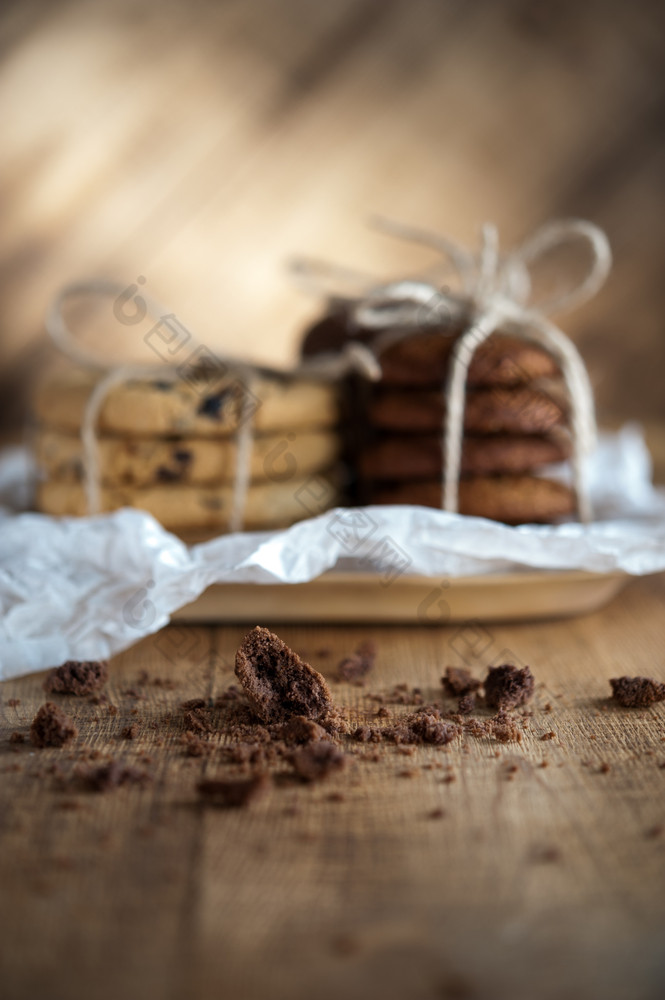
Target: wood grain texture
202 145
537 881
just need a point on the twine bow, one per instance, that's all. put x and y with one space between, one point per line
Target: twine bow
494 293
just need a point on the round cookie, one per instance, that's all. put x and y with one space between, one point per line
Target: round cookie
519 410
185 508
125 461
511 499
421 457
423 357
142 408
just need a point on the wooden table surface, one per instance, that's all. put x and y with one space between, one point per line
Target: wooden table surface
543 877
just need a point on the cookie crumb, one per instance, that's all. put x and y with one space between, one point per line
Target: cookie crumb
507 686
478 728
51 727
546 855
354 668
197 716
13 702
424 726
458 681
233 793
77 677
134 693
637 692
467 704
504 728
277 683
367 734
130 732
299 729
194 746
316 761
110 775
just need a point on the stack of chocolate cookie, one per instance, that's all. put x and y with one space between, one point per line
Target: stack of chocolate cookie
170 448
515 423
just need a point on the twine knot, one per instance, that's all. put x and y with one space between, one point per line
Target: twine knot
494 292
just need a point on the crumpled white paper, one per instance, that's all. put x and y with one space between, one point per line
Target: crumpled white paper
86 588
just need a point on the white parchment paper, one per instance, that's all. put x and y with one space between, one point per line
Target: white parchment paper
86 588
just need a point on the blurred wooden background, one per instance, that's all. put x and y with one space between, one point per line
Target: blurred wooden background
202 144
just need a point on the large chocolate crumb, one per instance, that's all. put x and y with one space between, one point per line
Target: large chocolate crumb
637 692
355 668
317 760
233 793
77 677
457 682
277 683
51 727
507 686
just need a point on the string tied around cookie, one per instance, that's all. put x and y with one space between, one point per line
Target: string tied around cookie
113 374
495 291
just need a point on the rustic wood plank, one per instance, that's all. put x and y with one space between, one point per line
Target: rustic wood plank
533 874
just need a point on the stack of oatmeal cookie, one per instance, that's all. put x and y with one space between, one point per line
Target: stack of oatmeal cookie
170 448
